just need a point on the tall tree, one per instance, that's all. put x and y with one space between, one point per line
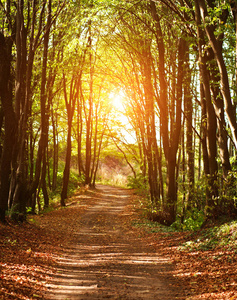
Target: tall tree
6 86
170 138
216 43
70 101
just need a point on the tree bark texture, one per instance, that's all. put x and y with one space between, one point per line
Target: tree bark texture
9 124
216 45
170 138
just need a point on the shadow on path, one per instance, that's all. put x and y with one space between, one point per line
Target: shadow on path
109 262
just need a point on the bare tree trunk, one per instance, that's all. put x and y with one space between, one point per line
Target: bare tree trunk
9 125
188 107
55 149
70 105
89 128
81 169
66 172
149 119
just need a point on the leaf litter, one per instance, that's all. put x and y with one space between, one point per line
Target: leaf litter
29 253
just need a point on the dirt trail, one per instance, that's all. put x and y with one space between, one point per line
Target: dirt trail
108 261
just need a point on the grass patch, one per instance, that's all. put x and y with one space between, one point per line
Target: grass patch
224 236
151 226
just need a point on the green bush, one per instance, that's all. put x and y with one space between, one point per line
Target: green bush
194 220
139 183
224 235
74 183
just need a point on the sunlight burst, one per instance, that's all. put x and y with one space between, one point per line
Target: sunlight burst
118 103
117 100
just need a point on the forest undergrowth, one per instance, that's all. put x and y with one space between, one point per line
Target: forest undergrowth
205 260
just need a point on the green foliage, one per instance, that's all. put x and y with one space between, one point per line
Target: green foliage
116 33
224 235
9 241
75 182
200 192
140 184
193 220
151 227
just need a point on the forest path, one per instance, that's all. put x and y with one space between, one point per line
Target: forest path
106 259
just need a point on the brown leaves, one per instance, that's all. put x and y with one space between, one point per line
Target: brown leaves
204 274
28 251
25 261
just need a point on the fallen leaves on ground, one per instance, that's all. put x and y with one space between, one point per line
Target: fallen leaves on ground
28 251
208 272
26 260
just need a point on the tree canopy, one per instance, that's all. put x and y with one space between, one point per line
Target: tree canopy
151 83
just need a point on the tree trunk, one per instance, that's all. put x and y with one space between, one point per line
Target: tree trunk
89 135
216 45
211 173
20 191
70 105
170 141
188 107
81 169
55 149
219 111
19 188
66 172
43 107
149 119
10 125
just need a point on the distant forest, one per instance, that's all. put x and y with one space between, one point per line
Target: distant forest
79 77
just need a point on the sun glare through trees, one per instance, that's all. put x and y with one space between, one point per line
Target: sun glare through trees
119 103
118 100
168 71
145 89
